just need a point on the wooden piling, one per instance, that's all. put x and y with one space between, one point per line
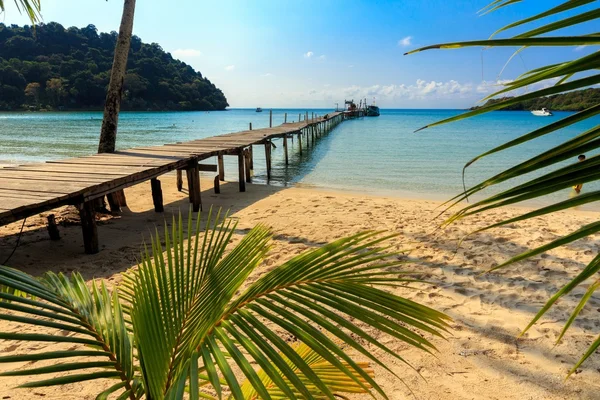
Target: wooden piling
300 142
179 180
247 165
193 178
270 118
87 214
157 195
268 158
250 125
251 155
113 202
285 149
221 167
217 185
53 228
285 118
241 177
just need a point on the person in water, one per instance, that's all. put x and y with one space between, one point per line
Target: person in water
579 186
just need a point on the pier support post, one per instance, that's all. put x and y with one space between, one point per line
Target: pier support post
53 228
87 214
247 165
270 118
300 142
285 118
241 177
268 158
179 180
300 117
250 125
221 167
217 185
114 202
285 148
193 178
251 155
157 195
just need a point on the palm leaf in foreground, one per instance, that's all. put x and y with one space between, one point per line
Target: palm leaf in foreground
186 320
31 7
561 177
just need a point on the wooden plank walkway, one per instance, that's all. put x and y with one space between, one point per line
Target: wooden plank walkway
30 189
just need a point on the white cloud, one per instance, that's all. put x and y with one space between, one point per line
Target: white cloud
407 41
308 54
186 53
579 48
313 91
267 74
322 57
230 68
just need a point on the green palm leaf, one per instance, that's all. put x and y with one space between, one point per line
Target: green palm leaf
560 177
30 7
196 332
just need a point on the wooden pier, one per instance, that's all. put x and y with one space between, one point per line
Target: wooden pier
30 189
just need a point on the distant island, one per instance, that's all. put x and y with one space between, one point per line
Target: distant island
572 101
53 68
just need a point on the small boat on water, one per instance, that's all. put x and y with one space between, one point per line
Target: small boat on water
372 111
544 112
258 109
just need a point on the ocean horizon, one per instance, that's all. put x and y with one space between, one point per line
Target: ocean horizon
378 155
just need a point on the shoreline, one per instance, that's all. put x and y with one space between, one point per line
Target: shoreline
482 355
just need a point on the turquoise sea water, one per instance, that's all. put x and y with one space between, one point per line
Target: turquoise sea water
376 155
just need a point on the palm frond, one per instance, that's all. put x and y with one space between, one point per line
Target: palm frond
32 8
570 75
193 307
91 317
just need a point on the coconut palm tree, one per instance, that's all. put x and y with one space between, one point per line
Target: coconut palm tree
188 320
576 73
112 106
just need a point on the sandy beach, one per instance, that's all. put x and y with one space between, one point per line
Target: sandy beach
482 357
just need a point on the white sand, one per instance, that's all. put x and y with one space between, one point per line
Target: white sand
482 358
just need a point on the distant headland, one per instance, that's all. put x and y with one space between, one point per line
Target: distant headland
53 68
572 101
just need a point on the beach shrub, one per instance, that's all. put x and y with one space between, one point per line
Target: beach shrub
574 74
189 320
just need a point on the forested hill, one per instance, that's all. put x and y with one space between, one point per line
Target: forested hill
572 101
56 68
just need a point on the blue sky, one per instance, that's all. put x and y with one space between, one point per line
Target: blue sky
316 53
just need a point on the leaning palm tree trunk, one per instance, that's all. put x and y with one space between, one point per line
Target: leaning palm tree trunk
108 134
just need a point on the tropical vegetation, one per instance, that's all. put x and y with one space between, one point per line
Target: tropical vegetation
50 67
574 74
577 100
188 321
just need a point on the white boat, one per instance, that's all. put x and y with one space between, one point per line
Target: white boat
544 112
